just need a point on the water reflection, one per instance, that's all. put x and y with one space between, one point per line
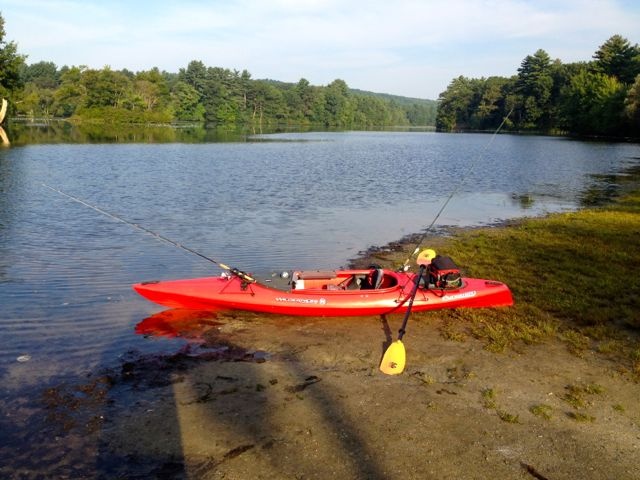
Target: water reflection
4 139
525 200
24 132
178 323
606 187
58 131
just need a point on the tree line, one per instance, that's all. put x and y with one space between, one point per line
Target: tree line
197 93
598 97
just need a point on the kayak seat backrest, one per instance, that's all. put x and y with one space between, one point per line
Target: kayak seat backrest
375 279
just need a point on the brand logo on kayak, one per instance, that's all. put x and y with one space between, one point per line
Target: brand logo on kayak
306 301
459 296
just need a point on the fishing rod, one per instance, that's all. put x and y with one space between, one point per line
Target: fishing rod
394 358
454 192
242 275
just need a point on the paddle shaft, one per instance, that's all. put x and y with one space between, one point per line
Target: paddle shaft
402 330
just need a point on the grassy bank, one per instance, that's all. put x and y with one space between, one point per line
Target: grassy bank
574 277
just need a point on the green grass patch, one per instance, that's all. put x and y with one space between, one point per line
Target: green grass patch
488 398
576 395
574 277
581 417
452 331
507 417
489 401
541 410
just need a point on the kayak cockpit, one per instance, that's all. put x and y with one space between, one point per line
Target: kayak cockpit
371 279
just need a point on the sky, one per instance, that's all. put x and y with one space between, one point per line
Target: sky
411 48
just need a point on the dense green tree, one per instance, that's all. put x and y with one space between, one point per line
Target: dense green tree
421 113
535 85
306 94
195 75
593 103
104 88
150 90
10 65
618 58
562 75
338 105
40 82
35 101
456 104
371 111
70 94
186 102
199 93
244 85
42 74
488 107
267 103
632 106
587 98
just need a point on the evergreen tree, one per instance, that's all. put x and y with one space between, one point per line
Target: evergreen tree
534 85
454 109
618 58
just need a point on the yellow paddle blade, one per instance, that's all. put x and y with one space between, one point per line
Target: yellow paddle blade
394 359
426 256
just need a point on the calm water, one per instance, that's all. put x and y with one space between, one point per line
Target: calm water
308 200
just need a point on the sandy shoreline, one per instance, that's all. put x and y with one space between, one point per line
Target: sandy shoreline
273 397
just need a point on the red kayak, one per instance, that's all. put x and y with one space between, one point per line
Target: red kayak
372 291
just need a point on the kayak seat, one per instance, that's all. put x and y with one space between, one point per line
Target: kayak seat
355 282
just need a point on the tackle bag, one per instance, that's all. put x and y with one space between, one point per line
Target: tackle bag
444 273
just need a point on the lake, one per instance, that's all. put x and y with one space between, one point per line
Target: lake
261 203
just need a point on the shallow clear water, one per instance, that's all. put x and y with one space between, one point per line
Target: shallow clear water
308 200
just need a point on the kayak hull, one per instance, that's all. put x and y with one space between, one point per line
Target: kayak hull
325 295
